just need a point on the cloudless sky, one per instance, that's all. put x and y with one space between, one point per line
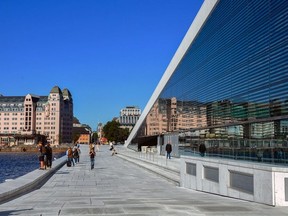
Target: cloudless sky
109 53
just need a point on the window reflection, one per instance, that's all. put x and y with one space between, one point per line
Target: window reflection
229 91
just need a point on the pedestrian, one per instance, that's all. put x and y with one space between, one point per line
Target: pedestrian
111 146
202 149
70 160
92 158
168 150
91 147
79 152
113 150
76 154
97 147
48 155
41 155
44 152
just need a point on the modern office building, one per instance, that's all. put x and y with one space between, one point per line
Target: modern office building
27 119
227 87
129 116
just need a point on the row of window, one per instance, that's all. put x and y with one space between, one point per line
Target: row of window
21 128
7 114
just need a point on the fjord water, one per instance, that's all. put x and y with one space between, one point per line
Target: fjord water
16 164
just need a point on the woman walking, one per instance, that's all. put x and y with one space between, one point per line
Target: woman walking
92 157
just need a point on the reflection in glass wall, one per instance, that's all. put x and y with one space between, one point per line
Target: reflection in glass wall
230 90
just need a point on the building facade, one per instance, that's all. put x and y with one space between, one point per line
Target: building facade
24 118
226 87
82 133
129 116
169 115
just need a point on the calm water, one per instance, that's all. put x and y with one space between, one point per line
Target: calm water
13 165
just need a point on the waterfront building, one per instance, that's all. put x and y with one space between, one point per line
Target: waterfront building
82 133
129 116
226 87
27 119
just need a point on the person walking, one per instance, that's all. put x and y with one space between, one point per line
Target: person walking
97 146
111 146
168 150
48 155
75 154
91 147
92 158
70 159
79 152
41 155
202 149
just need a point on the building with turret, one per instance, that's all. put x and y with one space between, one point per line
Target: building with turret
28 119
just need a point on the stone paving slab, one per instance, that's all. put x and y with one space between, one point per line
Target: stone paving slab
119 187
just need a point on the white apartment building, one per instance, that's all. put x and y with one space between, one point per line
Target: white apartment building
27 119
129 116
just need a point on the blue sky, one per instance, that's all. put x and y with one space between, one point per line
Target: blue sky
108 53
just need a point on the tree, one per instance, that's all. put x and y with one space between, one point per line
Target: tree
113 132
123 134
95 136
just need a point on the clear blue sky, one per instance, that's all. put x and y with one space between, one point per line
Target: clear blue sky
108 53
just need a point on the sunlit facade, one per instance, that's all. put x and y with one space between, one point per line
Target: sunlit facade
25 119
129 116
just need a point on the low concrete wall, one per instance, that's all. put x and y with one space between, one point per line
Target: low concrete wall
31 181
261 183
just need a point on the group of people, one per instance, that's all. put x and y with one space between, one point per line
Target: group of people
44 155
73 155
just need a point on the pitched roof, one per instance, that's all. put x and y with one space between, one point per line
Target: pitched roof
80 130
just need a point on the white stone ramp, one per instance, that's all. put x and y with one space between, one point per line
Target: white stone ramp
119 187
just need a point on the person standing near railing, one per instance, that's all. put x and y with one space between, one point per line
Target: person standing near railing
202 149
168 150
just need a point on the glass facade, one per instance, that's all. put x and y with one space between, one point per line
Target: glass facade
230 89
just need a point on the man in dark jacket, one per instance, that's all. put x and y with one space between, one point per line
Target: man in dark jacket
202 149
168 150
49 155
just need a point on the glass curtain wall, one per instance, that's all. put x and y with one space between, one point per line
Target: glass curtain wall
230 90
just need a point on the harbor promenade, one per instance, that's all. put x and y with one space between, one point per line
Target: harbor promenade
125 184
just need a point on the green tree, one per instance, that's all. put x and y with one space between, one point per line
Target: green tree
113 132
95 136
123 134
